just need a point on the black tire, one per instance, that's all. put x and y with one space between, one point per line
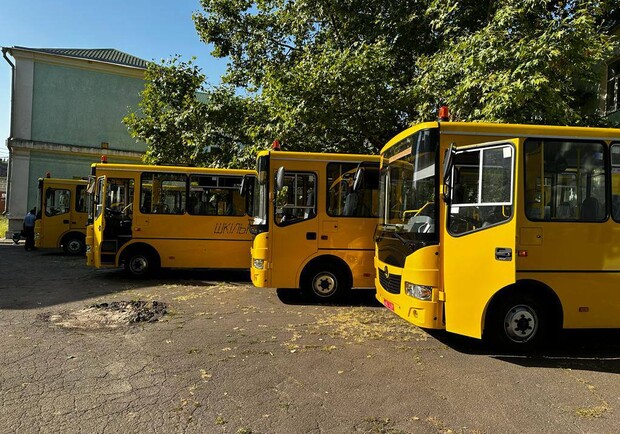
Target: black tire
74 245
325 282
140 263
518 323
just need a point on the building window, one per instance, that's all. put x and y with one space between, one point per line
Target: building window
612 101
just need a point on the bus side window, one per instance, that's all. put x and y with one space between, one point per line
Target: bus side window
297 199
565 180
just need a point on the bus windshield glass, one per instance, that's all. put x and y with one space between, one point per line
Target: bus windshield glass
408 185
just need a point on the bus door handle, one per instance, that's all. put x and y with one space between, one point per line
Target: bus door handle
503 254
66 221
311 235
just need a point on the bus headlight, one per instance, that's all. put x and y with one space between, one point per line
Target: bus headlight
420 292
259 263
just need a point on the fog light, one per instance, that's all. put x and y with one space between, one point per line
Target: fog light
420 292
259 263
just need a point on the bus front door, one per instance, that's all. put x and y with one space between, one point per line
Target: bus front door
478 247
99 220
295 229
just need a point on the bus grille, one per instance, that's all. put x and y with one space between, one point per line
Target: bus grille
391 283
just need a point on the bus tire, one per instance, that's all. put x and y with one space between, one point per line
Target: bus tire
518 323
74 244
325 282
141 263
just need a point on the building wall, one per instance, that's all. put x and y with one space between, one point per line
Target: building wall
63 110
79 107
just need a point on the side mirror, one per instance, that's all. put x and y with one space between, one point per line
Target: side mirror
447 171
358 178
447 162
244 186
280 178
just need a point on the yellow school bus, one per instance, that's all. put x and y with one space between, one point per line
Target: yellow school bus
62 215
507 232
312 229
147 217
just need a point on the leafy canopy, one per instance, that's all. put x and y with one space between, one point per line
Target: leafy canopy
347 75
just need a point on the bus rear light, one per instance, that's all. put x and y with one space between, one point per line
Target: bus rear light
258 263
420 292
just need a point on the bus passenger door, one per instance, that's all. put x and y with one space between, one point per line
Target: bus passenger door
56 214
480 238
99 218
295 227
79 214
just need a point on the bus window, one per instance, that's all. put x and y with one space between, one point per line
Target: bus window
297 199
57 201
615 181
163 193
565 181
481 189
80 198
343 200
215 195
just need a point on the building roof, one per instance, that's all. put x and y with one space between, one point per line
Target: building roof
106 55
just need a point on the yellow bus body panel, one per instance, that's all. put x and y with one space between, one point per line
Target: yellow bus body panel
422 268
578 261
50 229
286 250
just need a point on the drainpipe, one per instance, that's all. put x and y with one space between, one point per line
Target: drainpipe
10 160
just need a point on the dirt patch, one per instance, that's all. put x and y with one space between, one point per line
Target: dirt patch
109 315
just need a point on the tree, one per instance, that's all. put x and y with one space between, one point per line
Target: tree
332 75
184 122
525 61
347 75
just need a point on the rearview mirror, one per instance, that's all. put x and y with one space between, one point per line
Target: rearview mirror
358 178
280 178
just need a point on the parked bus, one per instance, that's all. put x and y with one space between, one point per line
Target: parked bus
62 214
146 217
510 240
312 230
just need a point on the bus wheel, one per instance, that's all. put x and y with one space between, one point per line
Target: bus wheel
325 282
74 245
518 323
140 264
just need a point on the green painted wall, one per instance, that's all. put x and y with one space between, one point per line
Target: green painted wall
82 107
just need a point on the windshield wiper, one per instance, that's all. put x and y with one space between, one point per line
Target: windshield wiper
393 230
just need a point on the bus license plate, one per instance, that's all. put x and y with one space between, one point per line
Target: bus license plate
388 304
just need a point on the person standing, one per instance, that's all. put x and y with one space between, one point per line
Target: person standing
29 228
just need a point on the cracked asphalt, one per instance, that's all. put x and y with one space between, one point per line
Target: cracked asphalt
230 358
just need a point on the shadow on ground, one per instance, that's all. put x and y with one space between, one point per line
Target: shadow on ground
591 350
355 297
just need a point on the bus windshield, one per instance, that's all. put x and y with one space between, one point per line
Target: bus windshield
408 186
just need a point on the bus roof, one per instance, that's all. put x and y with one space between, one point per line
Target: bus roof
107 167
63 181
509 131
316 156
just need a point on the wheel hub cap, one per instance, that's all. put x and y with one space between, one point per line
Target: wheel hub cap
521 323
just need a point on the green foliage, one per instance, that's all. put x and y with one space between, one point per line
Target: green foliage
528 61
183 122
347 75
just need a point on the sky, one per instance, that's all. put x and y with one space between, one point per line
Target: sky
149 29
